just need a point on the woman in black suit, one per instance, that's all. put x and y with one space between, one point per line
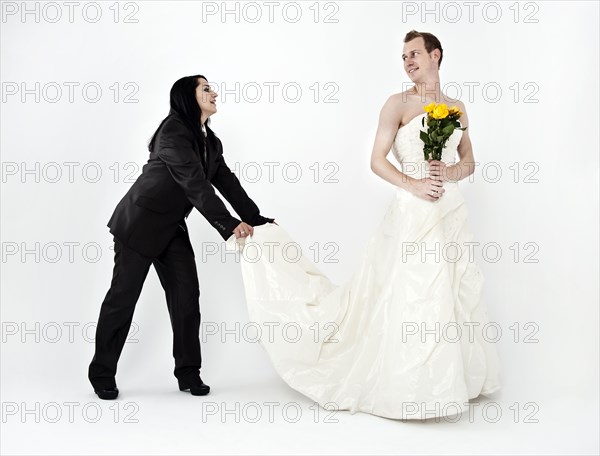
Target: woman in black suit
186 161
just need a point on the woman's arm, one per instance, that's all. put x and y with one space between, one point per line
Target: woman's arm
229 185
176 150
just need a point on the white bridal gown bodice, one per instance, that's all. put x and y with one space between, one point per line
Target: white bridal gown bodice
402 337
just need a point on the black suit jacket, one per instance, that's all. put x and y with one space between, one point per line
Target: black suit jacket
172 183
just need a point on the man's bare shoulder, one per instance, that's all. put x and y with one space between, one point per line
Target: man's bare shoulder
407 106
400 105
402 99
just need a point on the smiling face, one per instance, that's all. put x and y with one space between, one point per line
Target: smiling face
206 97
418 63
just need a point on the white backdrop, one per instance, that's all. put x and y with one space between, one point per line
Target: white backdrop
83 89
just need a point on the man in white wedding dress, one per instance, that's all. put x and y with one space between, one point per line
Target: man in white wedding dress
402 338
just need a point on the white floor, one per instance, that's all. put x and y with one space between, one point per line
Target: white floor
246 416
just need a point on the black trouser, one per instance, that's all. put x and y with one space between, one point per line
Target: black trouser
176 269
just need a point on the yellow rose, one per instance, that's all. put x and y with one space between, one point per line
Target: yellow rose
455 110
430 107
440 111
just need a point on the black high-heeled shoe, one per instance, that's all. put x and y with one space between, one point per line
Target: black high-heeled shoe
196 387
107 393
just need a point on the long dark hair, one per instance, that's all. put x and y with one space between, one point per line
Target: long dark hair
183 103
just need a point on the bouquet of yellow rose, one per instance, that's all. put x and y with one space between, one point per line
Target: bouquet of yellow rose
441 123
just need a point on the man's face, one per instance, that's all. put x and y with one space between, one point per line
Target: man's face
417 62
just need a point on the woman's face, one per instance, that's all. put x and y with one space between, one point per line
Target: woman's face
207 98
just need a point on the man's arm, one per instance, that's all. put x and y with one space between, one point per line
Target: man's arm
389 121
228 184
466 165
177 152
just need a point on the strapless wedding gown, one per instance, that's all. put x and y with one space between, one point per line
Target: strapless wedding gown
403 338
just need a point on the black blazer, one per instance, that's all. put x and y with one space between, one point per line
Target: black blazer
172 183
